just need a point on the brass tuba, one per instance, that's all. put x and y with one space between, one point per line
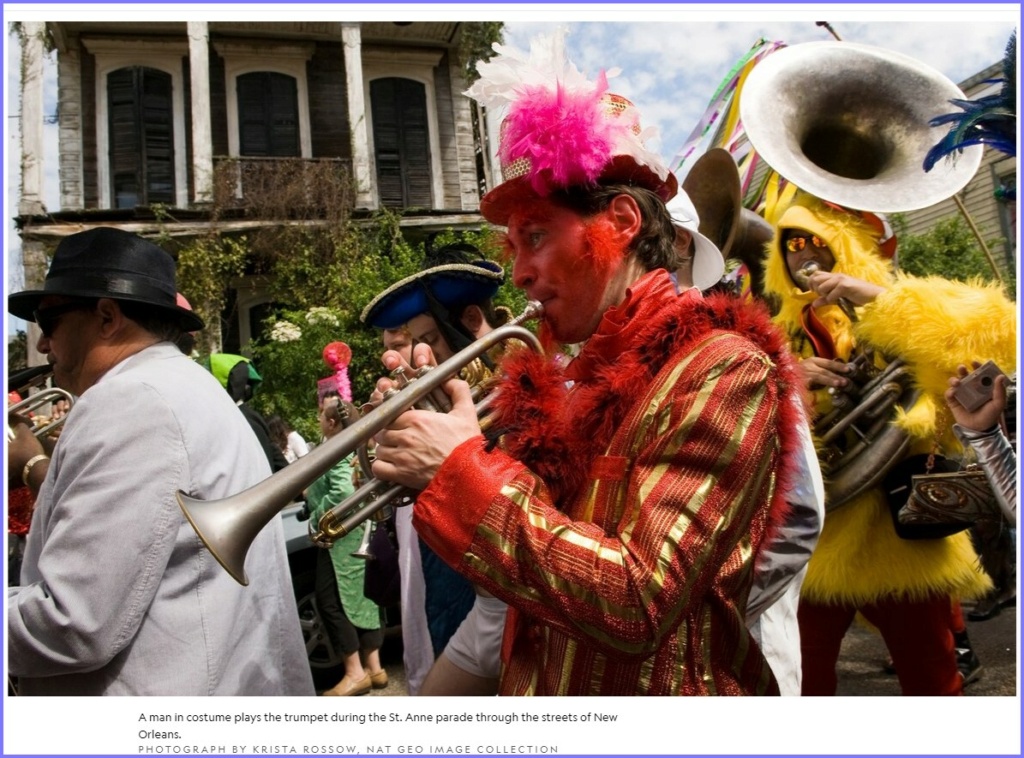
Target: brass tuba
849 124
228 526
858 443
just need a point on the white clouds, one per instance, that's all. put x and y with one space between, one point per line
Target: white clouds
671 69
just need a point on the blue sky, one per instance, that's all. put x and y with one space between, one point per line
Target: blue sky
672 57
671 69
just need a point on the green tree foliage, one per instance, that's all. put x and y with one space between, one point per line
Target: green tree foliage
206 265
17 351
323 304
475 44
949 249
290 362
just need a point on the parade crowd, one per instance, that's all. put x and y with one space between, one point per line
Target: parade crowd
648 506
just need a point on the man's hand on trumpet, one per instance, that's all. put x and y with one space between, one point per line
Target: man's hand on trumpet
411 450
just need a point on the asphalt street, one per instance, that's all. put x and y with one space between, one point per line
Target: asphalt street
861 665
863 658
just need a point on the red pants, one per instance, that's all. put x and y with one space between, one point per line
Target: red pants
917 635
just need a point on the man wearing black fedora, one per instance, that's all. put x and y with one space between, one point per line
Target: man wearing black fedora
118 596
451 634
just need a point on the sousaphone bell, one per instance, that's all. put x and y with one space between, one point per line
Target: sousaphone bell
849 123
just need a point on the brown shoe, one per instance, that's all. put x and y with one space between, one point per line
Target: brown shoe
348 686
379 680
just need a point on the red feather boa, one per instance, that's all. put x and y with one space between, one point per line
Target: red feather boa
558 435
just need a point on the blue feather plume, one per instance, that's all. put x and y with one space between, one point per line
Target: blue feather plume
990 120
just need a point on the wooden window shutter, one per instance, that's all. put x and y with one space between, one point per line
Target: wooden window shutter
268 115
401 139
141 136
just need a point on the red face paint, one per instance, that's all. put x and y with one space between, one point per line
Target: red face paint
566 263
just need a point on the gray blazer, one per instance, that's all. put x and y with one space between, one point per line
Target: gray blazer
119 596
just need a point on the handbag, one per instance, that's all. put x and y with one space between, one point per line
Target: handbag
382 580
931 497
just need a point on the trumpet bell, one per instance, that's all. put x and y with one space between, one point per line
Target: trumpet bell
226 528
849 123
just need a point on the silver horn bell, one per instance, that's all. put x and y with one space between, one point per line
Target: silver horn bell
849 123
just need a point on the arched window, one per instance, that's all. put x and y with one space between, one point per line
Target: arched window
141 136
401 141
268 115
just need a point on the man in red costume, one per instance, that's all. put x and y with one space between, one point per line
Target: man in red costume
619 501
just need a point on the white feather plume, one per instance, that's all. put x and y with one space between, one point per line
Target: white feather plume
504 77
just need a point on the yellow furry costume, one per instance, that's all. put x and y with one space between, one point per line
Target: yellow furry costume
934 325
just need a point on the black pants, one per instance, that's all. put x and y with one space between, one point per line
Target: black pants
343 634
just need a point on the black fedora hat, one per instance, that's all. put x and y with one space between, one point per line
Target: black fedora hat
108 262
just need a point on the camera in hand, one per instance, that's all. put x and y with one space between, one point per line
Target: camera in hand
975 389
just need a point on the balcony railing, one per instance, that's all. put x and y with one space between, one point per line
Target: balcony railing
285 188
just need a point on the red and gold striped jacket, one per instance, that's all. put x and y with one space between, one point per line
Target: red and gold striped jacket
620 517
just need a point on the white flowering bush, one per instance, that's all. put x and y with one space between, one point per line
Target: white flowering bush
290 354
285 331
322 316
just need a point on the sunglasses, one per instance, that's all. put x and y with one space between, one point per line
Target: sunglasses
796 244
49 318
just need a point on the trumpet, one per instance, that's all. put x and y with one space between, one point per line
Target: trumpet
368 501
228 527
38 400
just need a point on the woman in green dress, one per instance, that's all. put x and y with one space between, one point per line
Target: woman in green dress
352 620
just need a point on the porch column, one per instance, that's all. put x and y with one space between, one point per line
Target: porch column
202 131
362 174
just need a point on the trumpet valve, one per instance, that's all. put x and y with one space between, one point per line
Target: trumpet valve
363 551
399 377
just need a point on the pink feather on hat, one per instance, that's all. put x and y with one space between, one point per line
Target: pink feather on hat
561 130
563 133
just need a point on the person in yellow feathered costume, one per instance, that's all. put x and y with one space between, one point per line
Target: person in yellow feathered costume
903 587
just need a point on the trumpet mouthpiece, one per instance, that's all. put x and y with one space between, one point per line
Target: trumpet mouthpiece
532 311
803 275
